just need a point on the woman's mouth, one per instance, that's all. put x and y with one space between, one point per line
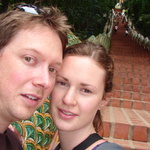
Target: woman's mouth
66 114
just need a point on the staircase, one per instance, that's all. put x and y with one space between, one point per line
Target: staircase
127 118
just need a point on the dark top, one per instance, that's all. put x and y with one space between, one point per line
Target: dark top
9 141
108 146
92 139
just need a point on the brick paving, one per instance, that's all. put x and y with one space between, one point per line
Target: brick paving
127 118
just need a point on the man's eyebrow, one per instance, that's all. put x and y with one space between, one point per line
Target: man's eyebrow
36 51
58 64
32 49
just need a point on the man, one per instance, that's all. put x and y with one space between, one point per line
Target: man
31 45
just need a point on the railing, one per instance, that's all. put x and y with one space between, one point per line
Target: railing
144 41
105 37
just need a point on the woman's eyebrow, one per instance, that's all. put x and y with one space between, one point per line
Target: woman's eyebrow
85 84
63 77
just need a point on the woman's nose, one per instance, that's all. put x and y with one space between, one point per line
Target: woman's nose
70 97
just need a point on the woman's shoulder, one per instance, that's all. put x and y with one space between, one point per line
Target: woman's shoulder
109 146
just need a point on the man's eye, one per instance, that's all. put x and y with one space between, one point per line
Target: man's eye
53 70
28 59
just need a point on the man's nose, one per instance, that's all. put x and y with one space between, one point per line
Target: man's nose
44 79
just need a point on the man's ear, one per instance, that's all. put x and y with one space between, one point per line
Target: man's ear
105 100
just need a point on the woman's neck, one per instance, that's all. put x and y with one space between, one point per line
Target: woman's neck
69 140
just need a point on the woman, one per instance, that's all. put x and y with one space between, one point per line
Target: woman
82 89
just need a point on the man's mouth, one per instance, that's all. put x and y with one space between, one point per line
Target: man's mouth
31 97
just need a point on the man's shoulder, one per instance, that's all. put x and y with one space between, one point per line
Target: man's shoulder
13 140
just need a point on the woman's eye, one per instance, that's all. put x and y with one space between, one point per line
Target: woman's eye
86 91
62 83
53 70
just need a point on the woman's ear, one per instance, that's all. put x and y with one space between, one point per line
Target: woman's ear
105 100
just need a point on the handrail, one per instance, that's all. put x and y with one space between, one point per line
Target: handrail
105 37
139 38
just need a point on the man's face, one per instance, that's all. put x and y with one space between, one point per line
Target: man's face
28 66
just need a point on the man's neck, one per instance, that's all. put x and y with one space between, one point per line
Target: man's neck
3 125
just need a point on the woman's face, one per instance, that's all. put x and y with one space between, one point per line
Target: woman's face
78 94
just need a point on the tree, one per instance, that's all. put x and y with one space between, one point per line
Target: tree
4 5
86 16
139 13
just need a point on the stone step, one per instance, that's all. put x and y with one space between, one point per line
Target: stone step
129 144
127 118
128 124
131 104
136 80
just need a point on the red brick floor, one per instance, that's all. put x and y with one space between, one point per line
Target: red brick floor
127 118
